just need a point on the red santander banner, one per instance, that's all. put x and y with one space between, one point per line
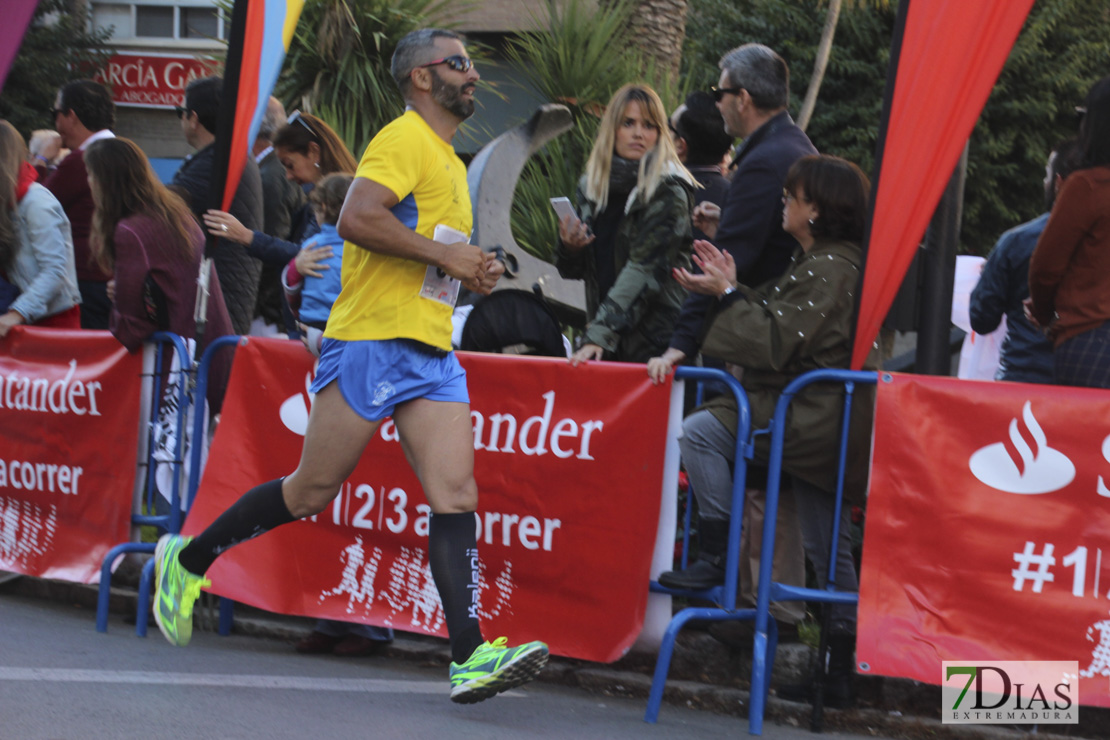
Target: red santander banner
988 529
69 409
568 462
151 80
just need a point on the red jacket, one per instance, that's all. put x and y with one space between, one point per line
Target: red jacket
156 289
1069 273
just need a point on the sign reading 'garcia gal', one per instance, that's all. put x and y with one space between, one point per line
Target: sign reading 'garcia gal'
152 80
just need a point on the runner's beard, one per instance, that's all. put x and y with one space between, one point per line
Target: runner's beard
450 97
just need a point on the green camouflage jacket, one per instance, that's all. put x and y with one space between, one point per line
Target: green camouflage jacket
635 321
799 322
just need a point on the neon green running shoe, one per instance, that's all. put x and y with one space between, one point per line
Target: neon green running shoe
176 589
494 668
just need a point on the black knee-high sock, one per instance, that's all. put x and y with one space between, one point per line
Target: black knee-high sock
256 512
453 555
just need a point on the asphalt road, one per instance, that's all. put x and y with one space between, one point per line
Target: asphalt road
60 679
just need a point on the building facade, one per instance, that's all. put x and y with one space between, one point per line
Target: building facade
161 45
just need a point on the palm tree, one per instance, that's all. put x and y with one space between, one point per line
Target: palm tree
824 51
658 28
338 62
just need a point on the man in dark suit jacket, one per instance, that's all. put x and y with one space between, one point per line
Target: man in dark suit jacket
238 272
752 95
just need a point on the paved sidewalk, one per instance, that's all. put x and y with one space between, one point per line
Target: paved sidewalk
704 673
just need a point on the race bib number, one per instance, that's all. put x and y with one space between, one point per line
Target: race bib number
438 285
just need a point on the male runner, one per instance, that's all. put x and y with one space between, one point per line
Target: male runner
387 352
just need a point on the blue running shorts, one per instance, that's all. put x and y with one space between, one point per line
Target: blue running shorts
376 376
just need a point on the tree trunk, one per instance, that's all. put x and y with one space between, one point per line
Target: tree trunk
824 50
658 30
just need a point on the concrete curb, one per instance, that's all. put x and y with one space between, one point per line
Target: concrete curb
704 674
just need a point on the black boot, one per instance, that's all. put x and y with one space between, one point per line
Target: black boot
840 690
840 687
709 569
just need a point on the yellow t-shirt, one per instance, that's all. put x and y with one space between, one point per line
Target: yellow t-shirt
386 297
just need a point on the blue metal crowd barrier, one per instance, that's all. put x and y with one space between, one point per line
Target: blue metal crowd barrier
203 369
170 521
765 643
725 595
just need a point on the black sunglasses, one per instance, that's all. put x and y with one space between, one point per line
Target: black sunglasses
457 62
296 117
55 112
182 111
719 93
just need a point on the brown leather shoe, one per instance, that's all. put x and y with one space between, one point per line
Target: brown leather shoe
317 643
739 633
354 646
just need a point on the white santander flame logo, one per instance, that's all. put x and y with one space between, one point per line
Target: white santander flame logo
1103 490
294 410
1040 469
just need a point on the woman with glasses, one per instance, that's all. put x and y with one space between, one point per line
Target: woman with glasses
308 149
38 275
633 229
1069 272
775 332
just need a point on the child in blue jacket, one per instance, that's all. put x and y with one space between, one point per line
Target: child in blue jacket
311 280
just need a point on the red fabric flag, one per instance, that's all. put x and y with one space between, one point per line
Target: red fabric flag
951 54
17 15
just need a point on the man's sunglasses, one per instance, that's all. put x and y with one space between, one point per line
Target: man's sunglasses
719 93
55 112
457 62
296 117
182 111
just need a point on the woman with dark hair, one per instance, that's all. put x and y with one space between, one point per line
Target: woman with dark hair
1069 272
38 275
799 322
634 228
147 238
308 149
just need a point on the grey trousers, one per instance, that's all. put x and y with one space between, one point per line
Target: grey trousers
708 448
816 509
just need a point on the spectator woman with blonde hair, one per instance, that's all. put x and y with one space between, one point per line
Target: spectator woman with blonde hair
633 229
38 275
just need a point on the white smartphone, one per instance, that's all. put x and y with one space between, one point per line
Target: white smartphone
563 208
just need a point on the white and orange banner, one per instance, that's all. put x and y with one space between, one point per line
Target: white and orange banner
568 462
988 529
69 407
